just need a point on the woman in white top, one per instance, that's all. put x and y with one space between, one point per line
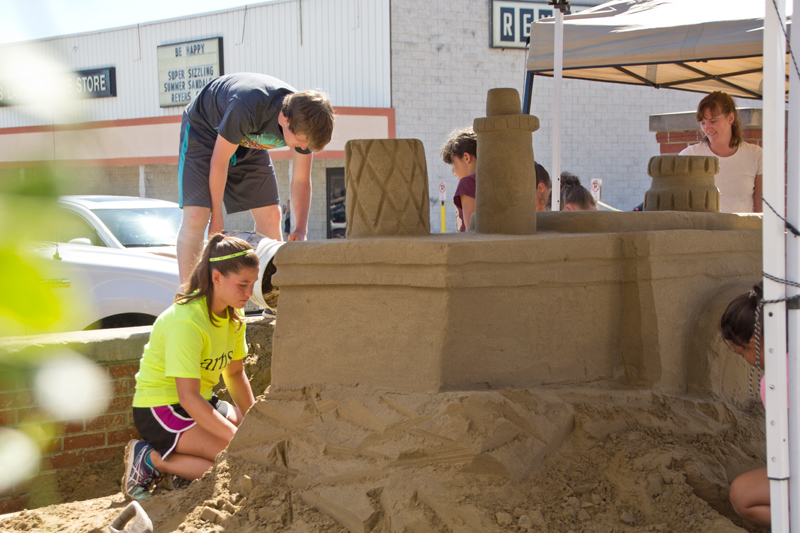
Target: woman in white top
739 178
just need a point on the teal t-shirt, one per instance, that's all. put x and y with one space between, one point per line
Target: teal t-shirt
184 344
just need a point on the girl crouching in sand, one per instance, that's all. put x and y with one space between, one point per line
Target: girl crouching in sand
749 491
183 423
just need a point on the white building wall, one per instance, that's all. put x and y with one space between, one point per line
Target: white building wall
442 68
341 46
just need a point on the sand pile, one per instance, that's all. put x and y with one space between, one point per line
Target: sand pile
549 460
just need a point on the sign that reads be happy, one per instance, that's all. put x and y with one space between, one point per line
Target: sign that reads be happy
185 68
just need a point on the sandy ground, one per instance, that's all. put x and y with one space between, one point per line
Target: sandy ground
549 460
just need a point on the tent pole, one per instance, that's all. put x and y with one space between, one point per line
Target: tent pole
793 273
558 62
528 95
774 263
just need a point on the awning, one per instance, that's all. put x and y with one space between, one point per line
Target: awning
692 45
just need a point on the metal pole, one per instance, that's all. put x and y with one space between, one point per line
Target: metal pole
774 262
793 273
558 63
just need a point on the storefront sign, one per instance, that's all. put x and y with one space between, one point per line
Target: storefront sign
511 20
184 68
93 83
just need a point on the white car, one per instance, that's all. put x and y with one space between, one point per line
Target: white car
98 287
109 260
121 222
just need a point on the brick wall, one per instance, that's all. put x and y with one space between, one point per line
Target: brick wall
66 445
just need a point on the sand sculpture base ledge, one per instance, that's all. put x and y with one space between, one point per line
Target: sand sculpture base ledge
571 305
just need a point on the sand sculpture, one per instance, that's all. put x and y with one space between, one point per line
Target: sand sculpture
506 179
387 188
682 183
567 380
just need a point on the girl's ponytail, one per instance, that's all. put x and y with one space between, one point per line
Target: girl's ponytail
225 254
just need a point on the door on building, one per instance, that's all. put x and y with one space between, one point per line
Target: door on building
337 222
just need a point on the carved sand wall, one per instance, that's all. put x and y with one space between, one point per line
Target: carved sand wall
459 312
387 188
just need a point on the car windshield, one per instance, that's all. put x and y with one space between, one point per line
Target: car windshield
142 227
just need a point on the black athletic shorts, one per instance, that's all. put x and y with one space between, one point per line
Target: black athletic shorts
162 426
251 177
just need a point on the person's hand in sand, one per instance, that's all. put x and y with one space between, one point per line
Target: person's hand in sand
750 491
200 337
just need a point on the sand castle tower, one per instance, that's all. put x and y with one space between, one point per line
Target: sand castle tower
387 188
682 183
505 198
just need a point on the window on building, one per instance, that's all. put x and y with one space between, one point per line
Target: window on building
337 221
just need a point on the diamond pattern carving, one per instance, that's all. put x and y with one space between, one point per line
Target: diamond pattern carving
387 188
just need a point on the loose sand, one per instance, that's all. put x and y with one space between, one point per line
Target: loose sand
548 460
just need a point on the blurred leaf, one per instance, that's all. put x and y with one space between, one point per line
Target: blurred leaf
40 183
23 294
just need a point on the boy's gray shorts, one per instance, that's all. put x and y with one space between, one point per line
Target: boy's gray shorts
251 177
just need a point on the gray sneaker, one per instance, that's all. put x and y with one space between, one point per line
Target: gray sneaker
138 475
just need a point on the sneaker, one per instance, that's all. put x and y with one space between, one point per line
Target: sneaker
269 314
138 475
173 482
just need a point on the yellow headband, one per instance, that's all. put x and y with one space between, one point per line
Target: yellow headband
237 254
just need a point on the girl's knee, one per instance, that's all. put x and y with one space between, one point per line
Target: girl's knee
749 491
738 496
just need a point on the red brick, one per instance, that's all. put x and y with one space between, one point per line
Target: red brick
662 137
122 436
122 387
120 404
27 415
8 418
62 428
684 136
79 442
13 504
105 422
752 134
103 454
123 371
51 446
64 460
667 149
77 426
16 399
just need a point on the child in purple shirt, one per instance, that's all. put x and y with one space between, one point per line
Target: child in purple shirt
460 151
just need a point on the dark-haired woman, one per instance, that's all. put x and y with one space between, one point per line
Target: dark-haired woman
200 337
749 491
574 196
739 178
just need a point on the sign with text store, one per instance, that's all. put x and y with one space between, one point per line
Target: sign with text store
184 68
49 88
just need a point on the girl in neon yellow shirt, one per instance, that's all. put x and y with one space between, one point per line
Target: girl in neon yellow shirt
200 337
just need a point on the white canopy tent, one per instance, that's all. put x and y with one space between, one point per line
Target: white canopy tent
705 46
693 45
